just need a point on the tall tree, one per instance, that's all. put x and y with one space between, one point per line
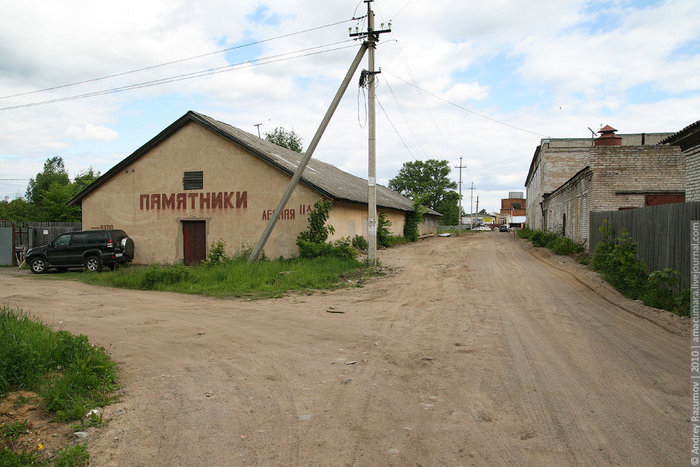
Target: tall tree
54 173
428 180
287 139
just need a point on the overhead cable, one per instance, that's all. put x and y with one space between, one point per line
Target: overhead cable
92 80
193 75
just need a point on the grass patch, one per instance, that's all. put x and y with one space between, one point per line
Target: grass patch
559 244
231 278
70 375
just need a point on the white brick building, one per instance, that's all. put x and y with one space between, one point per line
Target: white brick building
688 139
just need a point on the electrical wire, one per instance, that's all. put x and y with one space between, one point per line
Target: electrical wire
181 60
416 134
394 127
486 117
193 75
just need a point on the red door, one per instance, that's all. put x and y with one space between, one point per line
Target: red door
195 235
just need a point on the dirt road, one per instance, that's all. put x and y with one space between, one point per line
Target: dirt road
475 351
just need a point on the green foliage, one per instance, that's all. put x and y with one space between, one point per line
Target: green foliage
47 194
286 139
156 277
383 231
558 244
566 246
448 206
525 233
318 231
217 252
9 458
73 456
69 374
234 278
341 248
14 430
413 220
616 259
360 243
426 180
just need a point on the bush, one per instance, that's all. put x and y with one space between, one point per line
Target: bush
565 246
318 231
360 243
340 249
383 232
525 233
616 259
217 252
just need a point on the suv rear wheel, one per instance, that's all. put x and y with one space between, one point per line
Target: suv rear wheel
37 265
93 264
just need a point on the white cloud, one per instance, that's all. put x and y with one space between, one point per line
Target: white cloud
552 66
91 132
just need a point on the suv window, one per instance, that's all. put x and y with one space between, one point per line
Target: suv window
61 241
95 237
77 239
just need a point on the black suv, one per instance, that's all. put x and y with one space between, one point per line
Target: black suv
89 248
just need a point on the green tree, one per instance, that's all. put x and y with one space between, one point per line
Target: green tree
17 210
54 173
449 208
428 180
287 139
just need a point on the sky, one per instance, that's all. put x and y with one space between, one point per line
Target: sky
484 81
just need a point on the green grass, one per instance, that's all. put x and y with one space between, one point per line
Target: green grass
70 375
232 278
71 456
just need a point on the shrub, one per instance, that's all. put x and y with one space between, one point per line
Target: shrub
383 232
565 246
340 248
360 242
412 220
318 231
217 252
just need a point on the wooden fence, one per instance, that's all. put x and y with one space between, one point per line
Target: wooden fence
662 234
16 237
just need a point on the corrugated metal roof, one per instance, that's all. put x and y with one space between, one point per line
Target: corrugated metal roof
321 177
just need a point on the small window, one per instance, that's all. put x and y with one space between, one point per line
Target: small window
193 180
77 239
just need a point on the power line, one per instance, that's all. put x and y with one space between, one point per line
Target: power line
405 116
394 127
92 80
193 75
465 108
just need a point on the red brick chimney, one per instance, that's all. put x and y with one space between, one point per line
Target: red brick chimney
608 137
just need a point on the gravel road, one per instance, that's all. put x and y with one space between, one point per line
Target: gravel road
476 350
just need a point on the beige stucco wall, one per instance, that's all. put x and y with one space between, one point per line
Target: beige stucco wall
252 187
158 233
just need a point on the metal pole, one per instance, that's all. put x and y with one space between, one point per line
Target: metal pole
372 170
309 152
460 167
471 207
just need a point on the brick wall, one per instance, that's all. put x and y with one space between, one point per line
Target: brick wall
692 161
617 177
623 174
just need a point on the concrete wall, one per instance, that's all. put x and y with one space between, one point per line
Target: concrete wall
148 201
239 193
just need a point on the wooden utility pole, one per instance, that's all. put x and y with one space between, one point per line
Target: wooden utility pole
471 207
372 36
307 156
460 167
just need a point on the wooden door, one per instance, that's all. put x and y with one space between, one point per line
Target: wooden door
195 235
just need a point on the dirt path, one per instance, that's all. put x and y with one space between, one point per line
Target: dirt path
477 351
